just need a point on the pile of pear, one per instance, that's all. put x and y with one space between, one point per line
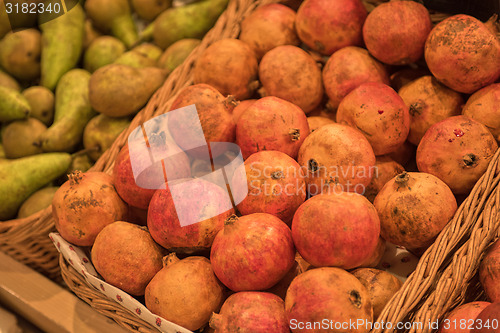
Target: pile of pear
71 84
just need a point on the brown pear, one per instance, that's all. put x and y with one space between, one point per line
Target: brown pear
18 137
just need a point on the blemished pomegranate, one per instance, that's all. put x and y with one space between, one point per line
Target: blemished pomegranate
489 272
252 252
462 52
429 102
413 208
457 150
483 106
230 66
459 320
347 69
251 312
269 26
279 77
126 256
381 286
214 113
254 134
379 113
185 292
337 154
327 26
340 230
84 205
188 226
395 32
327 293
275 185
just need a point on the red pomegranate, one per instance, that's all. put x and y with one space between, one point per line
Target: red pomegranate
379 113
459 320
347 69
336 154
327 26
489 272
251 312
275 185
457 150
395 32
482 106
185 225
252 252
254 134
463 53
340 230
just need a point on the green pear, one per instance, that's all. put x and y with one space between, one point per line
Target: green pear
62 43
41 101
190 21
135 59
20 54
103 51
80 162
101 132
19 136
149 50
120 90
72 113
36 202
149 9
23 176
8 81
176 53
13 105
90 33
113 16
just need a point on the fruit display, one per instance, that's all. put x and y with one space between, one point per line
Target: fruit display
72 84
269 193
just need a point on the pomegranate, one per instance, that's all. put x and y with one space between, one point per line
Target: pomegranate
251 312
385 170
340 230
406 75
489 272
413 208
185 292
214 113
269 26
429 102
457 150
347 69
84 205
230 66
254 134
395 32
462 318
330 294
484 107
381 286
337 154
463 53
184 225
279 77
379 113
137 190
252 252
327 26
489 319
275 185
126 256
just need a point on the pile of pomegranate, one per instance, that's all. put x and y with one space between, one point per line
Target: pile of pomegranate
356 129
